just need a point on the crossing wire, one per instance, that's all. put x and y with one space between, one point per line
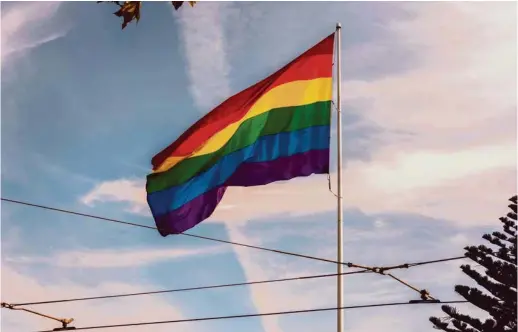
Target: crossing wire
182 234
190 235
234 284
279 313
189 289
424 293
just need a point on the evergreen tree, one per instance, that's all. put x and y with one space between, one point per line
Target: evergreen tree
498 279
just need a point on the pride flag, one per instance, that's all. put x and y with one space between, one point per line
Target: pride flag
275 130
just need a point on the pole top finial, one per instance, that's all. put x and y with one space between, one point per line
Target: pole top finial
338 25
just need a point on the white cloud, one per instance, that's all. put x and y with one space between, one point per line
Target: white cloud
261 297
429 168
290 198
131 191
459 239
111 258
26 26
359 289
22 287
470 201
380 223
467 74
464 92
238 205
204 43
460 106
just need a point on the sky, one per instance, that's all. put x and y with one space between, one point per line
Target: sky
429 123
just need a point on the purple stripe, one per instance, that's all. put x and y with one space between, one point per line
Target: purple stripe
281 169
248 174
190 214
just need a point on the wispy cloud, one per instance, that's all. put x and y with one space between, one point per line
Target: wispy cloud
26 26
204 43
129 191
238 205
459 106
430 168
418 240
27 287
466 74
253 271
113 258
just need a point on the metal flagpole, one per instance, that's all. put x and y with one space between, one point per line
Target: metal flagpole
339 295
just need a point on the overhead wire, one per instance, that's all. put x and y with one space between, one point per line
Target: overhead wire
366 269
279 313
182 234
424 293
189 288
309 277
192 235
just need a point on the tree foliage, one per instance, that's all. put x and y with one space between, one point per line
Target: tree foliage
498 279
130 10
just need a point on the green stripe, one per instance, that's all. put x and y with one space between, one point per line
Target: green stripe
275 121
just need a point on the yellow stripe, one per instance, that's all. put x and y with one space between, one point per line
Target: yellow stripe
290 94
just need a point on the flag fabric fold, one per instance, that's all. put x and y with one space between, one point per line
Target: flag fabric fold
277 129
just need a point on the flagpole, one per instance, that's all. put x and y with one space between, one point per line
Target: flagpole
339 295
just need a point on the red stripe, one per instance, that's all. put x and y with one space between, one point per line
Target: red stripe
314 63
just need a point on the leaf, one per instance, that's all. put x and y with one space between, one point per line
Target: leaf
178 4
115 2
129 11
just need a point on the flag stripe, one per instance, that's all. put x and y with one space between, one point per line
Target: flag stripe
290 94
248 174
267 148
275 121
314 63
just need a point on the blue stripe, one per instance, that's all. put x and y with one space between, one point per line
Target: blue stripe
266 148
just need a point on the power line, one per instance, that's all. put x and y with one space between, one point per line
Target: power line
381 270
366 270
425 295
183 234
437 261
189 289
203 237
258 315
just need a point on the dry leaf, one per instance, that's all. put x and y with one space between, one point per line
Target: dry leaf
178 4
129 11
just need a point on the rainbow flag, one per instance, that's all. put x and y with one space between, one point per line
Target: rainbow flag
275 130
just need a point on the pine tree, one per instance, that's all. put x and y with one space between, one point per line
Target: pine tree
498 279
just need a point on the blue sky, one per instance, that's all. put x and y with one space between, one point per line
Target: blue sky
429 100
